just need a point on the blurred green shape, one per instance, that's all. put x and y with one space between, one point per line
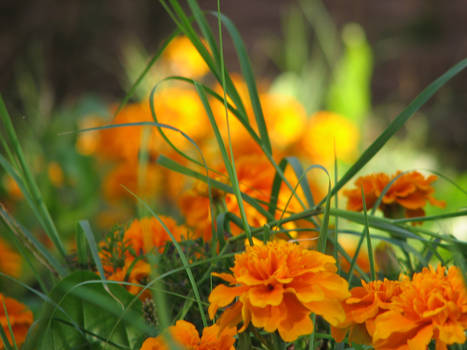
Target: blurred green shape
86 316
349 93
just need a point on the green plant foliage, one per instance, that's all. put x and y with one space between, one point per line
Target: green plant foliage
87 316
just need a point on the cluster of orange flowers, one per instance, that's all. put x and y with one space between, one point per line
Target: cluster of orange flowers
141 237
409 313
407 195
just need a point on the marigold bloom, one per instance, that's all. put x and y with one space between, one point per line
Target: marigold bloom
409 193
20 318
184 59
327 132
277 286
124 143
433 305
134 272
55 172
142 180
255 176
10 261
362 307
147 233
285 117
185 334
88 142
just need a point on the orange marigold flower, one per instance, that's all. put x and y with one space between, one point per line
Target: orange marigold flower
277 286
185 334
407 195
124 143
136 272
326 133
362 308
19 316
147 233
433 305
144 181
184 58
10 261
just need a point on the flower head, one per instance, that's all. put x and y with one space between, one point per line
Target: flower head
184 58
362 307
327 132
19 316
277 286
433 305
409 193
10 261
135 272
185 334
147 233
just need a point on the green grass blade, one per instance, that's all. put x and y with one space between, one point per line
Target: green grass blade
366 231
250 81
323 232
145 71
38 201
170 164
12 335
398 122
86 229
228 162
41 253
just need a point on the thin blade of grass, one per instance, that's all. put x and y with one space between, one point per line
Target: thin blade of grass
10 329
228 162
37 200
145 71
366 231
250 81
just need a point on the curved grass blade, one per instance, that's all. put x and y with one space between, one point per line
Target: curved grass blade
250 81
145 71
366 231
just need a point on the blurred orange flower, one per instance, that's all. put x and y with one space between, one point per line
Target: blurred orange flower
10 261
184 59
255 176
136 272
433 305
125 143
19 316
147 233
406 196
185 334
142 180
278 286
362 307
327 132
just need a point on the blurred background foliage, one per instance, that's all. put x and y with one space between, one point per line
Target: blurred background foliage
62 63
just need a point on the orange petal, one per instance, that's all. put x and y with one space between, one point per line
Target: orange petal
262 296
422 339
222 296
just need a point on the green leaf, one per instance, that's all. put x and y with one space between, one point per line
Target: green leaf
87 317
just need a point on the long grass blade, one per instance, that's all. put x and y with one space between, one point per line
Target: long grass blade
398 122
